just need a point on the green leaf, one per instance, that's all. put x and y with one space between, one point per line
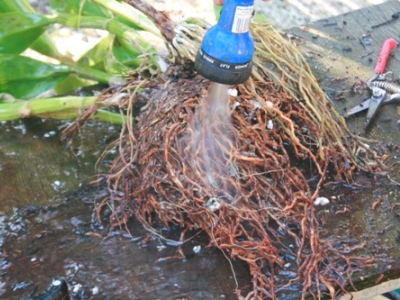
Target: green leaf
19 30
260 18
25 78
128 51
94 57
113 66
44 43
126 55
120 60
79 7
16 6
71 84
217 11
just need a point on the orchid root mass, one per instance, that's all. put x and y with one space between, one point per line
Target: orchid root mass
284 141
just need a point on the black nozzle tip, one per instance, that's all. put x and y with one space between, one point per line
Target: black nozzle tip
222 72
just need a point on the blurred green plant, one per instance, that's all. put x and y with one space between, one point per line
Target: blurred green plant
121 53
125 50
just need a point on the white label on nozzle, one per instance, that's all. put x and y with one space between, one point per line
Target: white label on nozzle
241 22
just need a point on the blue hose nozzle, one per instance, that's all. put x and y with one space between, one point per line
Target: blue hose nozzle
227 49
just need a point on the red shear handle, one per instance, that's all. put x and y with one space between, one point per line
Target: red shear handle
388 46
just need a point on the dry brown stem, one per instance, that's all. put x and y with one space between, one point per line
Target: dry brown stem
159 18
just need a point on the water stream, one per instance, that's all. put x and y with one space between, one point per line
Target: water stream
212 138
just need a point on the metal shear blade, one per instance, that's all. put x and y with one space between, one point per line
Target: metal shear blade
379 96
387 98
375 102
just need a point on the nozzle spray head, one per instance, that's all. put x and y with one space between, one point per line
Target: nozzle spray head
227 49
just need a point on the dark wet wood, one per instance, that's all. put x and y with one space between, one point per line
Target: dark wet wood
342 52
340 59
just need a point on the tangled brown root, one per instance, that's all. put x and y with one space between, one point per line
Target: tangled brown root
262 199
271 159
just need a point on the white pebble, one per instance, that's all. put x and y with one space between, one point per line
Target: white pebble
269 104
321 201
95 290
56 282
233 92
76 288
196 249
256 104
236 104
270 125
213 204
161 247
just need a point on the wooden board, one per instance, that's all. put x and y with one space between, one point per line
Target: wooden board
342 52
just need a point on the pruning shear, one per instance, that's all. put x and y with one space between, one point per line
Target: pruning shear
383 92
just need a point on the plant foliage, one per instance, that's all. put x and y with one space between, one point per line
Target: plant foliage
122 52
